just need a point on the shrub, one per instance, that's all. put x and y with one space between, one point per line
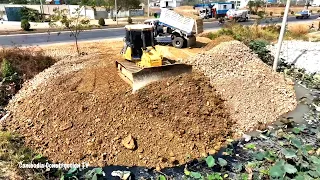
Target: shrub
102 22
271 13
25 25
260 48
261 14
318 11
282 13
310 11
292 12
29 14
27 61
6 68
129 20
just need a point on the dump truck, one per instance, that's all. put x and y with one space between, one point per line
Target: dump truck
142 61
238 15
173 28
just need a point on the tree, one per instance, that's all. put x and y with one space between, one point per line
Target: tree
75 24
19 1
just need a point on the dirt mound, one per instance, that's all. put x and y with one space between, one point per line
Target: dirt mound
256 94
217 41
87 112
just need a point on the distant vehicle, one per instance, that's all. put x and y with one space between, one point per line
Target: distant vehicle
305 14
238 15
316 4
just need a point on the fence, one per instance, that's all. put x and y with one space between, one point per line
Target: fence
85 11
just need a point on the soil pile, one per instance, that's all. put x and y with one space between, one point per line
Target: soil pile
217 41
255 94
82 111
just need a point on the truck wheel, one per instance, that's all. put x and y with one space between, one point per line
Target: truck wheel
178 42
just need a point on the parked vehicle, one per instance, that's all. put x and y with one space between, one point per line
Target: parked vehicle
211 10
305 14
172 28
238 15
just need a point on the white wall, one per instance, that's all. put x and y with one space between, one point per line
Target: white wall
171 3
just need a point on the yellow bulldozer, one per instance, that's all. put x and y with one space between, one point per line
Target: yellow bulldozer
142 62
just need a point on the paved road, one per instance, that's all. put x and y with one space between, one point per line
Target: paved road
45 38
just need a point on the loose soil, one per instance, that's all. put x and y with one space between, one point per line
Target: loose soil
80 110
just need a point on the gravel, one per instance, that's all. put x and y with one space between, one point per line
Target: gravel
302 54
255 94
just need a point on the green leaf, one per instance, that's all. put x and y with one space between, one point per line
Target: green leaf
315 160
296 142
251 146
38 156
162 177
296 130
214 176
222 162
308 147
290 169
238 167
289 153
299 177
94 177
260 156
276 171
195 175
302 127
314 174
210 161
72 170
98 171
186 172
244 176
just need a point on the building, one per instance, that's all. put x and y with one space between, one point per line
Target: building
57 2
169 3
239 4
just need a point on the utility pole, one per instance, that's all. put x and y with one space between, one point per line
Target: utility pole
282 31
41 9
148 8
115 4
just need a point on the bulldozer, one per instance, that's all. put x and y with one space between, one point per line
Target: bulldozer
142 62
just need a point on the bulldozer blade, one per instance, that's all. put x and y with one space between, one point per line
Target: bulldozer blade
139 77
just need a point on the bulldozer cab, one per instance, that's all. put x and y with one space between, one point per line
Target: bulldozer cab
138 38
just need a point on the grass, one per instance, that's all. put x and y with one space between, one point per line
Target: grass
26 61
13 151
270 33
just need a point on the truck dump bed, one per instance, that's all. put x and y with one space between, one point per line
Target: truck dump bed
176 21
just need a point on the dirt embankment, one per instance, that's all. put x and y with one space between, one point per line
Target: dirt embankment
80 110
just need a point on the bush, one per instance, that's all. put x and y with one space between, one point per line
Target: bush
282 13
260 48
261 14
129 20
102 22
292 12
310 11
27 61
318 11
6 68
29 14
271 13
25 25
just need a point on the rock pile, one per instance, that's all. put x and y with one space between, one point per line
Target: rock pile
255 93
